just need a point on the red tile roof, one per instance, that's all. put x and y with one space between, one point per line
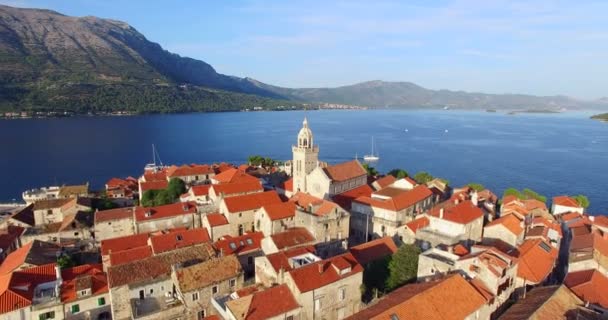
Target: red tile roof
96 277
200 190
385 181
345 199
130 255
179 239
311 204
240 245
345 171
600 220
234 175
589 285
237 187
536 260
160 175
374 250
216 219
449 298
416 224
166 211
251 201
280 259
13 296
565 201
268 303
401 201
319 274
292 237
463 213
123 243
280 211
189 170
114 214
460 250
153 185
288 185
509 222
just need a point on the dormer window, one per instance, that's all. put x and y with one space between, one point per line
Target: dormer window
179 237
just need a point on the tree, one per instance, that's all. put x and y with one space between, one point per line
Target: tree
423 177
147 199
176 188
403 266
398 173
476 186
163 197
375 276
582 200
371 171
531 194
512 192
65 261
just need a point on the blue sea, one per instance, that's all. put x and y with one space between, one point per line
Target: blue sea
552 154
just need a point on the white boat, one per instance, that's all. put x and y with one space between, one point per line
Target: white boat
372 156
153 166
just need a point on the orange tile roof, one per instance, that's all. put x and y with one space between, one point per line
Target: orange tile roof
460 250
165 211
13 296
536 260
237 187
280 211
385 181
8 237
345 171
239 245
251 201
15 259
374 250
292 237
449 298
70 276
216 219
571 216
280 260
531 204
234 175
130 255
510 222
153 185
401 201
123 243
589 285
288 185
129 182
114 214
200 190
416 224
319 274
179 239
548 302
600 220
267 304
189 170
345 199
464 212
565 201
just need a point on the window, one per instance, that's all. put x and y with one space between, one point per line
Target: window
240 214
232 246
232 283
195 296
49 212
179 237
202 314
289 318
342 294
151 291
75 234
249 241
318 304
101 301
214 290
47 315
75 308
250 260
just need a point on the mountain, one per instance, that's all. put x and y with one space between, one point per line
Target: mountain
47 58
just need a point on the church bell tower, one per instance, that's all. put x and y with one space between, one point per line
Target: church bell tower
305 157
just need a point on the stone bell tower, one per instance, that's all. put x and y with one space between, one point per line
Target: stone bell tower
305 157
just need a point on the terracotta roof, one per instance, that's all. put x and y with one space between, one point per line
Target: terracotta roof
212 271
292 237
264 304
449 298
589 285
460 250
130 255
155 267
531 204
237 187
234 175
50 203
123 243
565 201
345 199
166 211
374 250
155 176
601 220
549 302
153 185
322 273
17 288
280 260
189 170
200 190
129 182
114 214
389 192
33 253
239 245
345 171
401 201
251 201
509 222
216 219
385 181
536 260
178 239
416 224
280 211
288 185
96 280
464 212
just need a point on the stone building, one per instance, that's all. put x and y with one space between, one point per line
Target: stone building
114 223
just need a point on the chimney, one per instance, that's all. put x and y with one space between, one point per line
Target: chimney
281 275
441 213
59 280
474 198
320 267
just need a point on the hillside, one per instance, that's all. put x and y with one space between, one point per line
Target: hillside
601 117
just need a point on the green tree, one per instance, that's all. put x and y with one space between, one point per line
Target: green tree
65 261
423 177
582 200
476 186
512 192
398 173
403 266
163 197
147 199
531 194
176 188
371 171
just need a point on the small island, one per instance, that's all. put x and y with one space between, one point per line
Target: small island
602 117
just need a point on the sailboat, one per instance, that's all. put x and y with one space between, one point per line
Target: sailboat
372 156
153 166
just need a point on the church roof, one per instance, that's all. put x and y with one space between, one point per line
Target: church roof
345 171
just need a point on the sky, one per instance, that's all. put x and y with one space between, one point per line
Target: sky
532 47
